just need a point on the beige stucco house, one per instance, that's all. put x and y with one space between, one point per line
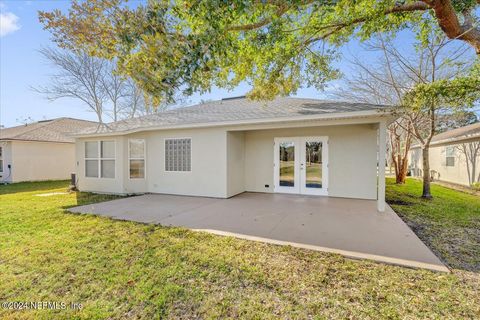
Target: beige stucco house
42 150
454 156
223 148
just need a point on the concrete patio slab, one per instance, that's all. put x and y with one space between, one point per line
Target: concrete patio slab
350 227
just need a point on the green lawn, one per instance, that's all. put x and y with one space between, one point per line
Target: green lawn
314 173
449 224
287 172
129 270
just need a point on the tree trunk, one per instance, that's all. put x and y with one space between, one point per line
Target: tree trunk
99 115
395 166
115 112
400 179
401 167
402 174
426 173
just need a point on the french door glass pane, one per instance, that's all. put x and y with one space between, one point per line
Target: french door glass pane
287 164
313 164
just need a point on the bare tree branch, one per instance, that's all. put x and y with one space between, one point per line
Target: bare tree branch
94 82
387 80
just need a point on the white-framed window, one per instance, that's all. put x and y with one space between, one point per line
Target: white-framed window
450 156
136 158
100 159
178 154
1 159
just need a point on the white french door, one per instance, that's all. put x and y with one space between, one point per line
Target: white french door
301 165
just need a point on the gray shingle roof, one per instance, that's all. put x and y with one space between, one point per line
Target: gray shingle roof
236 110
459 133
55 130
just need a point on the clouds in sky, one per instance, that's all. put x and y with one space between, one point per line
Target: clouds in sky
8 22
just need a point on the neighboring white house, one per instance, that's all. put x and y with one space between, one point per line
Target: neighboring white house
223 148
39 151
454 156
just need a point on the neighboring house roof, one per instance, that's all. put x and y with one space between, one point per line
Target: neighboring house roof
468 132
239 110
54 130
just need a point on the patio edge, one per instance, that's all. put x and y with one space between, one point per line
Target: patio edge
346 253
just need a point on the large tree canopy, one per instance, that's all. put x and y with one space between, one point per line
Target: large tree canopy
455 94
276 46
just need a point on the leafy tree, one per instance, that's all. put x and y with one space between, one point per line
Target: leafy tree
456 120
390 78
430 98
276 46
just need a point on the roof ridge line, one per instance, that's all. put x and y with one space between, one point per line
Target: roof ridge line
76 119
40 125
459 129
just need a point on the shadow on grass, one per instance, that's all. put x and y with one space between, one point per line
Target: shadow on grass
84 198
33 186
397 202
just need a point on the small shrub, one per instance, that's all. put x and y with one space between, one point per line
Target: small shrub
476 186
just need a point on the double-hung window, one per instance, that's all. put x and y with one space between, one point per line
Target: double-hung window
136 158
178 154
100 159
450 156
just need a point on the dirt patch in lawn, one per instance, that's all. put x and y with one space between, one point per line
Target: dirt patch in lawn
449 224
397 202
455 246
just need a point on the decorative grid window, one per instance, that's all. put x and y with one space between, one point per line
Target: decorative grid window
100 159
136 158
1 159
178 154
450 156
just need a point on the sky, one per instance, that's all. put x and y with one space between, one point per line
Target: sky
22 67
